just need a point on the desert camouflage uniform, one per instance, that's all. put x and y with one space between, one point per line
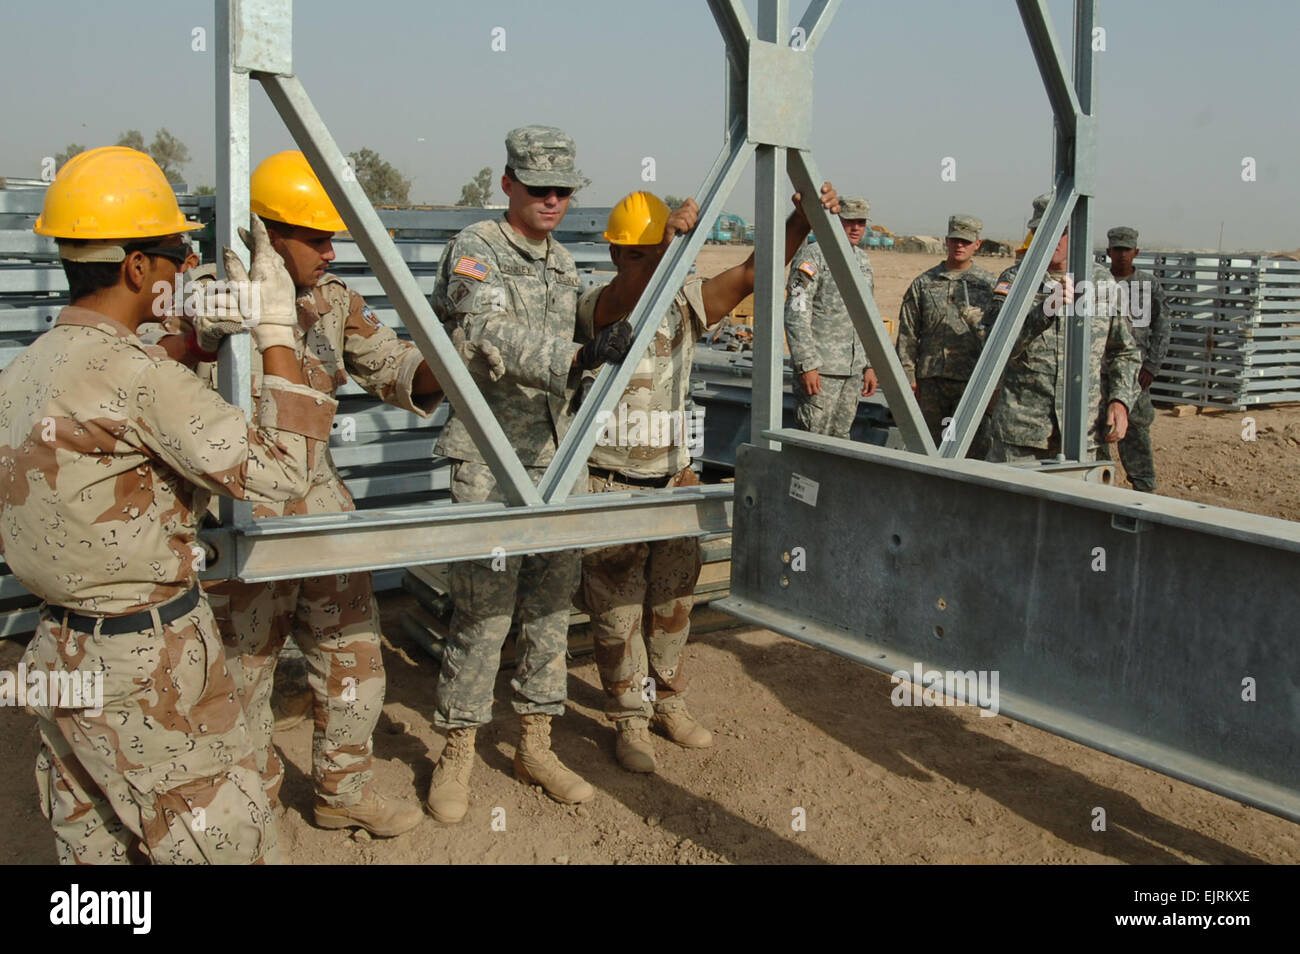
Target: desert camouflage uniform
525 304
110 452
937 347
1027 415
334 619
640 595
1152 335
822 338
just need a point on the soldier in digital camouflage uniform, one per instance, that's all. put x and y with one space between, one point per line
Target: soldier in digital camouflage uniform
109 451
509 283
1025 423
640 595
825 351
334 619
1150 324
940 327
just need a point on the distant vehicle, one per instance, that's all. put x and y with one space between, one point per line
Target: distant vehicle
729 228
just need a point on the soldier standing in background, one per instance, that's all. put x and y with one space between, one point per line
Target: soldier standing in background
1025 423
334 619
640 595
508 282
940 327
1151 330
110 451
826 354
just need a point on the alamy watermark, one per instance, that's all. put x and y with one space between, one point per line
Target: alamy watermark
1131 298
634 427
53 690
934 688
217 298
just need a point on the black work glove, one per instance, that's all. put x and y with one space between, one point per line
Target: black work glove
610 344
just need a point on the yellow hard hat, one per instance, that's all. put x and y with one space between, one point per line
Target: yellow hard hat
1024 246
284 189
638 220
111 193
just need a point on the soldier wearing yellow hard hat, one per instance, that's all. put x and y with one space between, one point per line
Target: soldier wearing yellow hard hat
152 754
640 595
334 619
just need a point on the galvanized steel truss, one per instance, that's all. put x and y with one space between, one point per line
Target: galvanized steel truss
1250 754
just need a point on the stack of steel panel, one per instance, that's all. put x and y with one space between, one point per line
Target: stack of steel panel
1235 329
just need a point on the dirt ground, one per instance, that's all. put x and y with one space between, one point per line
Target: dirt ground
795 729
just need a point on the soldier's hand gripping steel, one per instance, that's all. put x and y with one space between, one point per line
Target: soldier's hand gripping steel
610 344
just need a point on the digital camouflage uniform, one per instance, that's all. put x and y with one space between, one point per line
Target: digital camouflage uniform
110 451
334 619
521 295
937 346
822 338
1030 406
1152 335
640 595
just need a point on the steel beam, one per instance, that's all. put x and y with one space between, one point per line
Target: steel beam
769 291
1051 66
286 547
1077 152
1100 610
235 361
327 160
815 22
862 307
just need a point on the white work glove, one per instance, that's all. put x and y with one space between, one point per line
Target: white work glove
213 307
274 318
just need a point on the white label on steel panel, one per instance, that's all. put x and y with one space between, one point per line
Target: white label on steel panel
803 488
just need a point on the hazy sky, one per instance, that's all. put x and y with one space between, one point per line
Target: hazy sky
1186 89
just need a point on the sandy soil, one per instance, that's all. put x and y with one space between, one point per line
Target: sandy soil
795 728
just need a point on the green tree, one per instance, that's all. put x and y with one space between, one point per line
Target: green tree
132 140
205 190
478 190
673 201
168 151
380 180
170 154
70 150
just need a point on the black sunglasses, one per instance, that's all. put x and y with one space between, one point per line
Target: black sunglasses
541 192
176 253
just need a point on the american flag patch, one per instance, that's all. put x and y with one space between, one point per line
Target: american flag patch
1002 288
808 268
471 267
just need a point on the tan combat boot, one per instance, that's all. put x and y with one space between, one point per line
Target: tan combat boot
448 799
634 750
680 726
375 813
535 763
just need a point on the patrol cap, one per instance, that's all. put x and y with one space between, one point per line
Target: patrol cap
1040 206
854 208
1121 236
543 156
964 227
